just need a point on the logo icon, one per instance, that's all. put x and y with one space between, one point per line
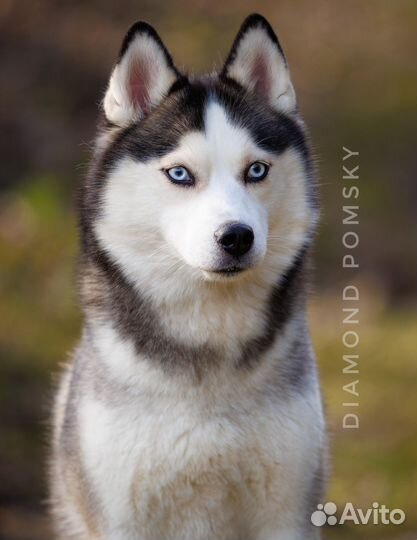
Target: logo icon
378 514
324 514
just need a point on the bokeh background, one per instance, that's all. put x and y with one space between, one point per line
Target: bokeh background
354 68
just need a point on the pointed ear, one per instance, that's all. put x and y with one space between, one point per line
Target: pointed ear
141 78
257 63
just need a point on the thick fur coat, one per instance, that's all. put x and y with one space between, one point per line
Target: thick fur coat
191 408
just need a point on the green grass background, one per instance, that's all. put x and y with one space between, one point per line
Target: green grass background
354 70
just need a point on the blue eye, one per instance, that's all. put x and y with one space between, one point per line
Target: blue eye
257 171
180 175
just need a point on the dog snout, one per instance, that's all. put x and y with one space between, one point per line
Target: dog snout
235 238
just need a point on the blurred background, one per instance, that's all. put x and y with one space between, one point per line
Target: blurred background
354 68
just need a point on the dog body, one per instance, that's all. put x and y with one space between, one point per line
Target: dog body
191 409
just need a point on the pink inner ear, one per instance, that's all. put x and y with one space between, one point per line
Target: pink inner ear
261 75
141 77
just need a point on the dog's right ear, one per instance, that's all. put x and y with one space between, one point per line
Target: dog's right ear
141 78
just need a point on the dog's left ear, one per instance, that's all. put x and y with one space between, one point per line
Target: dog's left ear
141 78
257 63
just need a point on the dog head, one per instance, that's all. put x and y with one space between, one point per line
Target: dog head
209 177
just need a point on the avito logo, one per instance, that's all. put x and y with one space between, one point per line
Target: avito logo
378 514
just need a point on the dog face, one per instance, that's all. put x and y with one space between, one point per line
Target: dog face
207 177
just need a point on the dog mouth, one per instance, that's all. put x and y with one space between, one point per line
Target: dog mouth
230 271
227 272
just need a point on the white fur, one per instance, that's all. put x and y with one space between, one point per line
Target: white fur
163 234
138 376
163 455
199 463
145 55
218 158
257 52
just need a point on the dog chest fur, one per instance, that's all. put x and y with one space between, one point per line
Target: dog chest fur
184 470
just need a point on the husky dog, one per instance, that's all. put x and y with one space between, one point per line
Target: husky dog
191 408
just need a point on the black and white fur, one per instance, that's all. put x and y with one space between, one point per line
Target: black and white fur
191 408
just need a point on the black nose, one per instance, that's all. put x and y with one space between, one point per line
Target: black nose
235 238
